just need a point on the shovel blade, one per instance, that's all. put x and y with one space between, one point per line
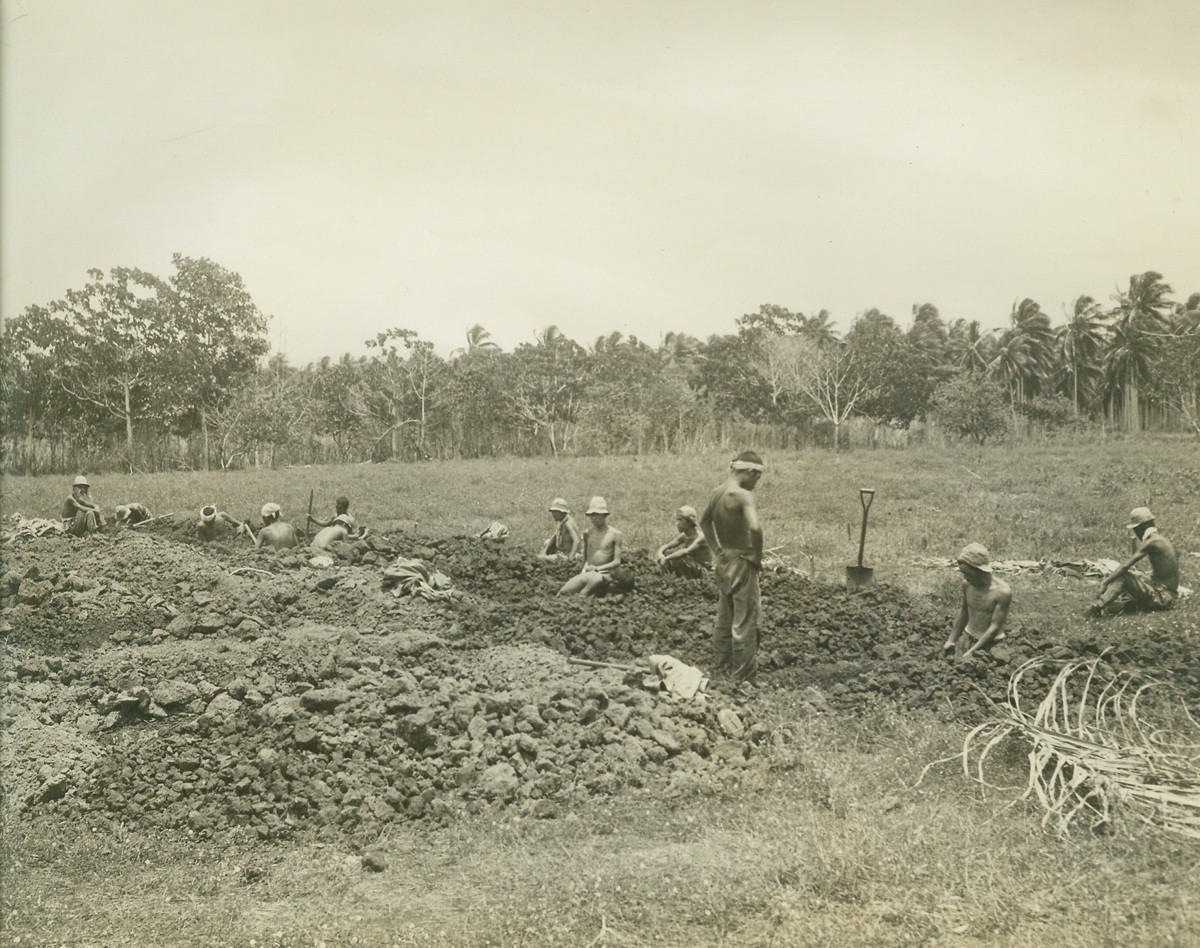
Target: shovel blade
859 576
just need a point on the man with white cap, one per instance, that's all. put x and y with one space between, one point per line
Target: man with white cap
214 524
985 602
734 534
275 533
80 516
688 554
602 572
566 540
1123 590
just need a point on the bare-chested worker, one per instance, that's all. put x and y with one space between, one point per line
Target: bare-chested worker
734 534
341 507
214 524
80 516
566 542
1125 591
985 602
342 528
602 572
688 554
132 514
275 533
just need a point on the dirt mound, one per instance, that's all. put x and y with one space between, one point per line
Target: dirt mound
204 687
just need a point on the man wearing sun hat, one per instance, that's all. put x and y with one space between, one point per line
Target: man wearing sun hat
1126 591
688 554
565 542
80 516
133 514
602 572
734 534
985 602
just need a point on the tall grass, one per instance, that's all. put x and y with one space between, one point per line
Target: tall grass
1031 501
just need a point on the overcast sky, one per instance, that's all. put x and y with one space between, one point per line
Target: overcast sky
637 166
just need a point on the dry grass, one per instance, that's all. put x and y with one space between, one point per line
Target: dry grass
828 841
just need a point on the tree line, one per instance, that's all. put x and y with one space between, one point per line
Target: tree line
146 373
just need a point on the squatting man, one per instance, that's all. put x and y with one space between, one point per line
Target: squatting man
985 602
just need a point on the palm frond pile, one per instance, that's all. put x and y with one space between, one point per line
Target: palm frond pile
1100 749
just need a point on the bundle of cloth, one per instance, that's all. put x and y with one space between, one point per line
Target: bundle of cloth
410 577
22 526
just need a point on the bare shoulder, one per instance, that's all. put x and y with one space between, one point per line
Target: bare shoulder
1001 590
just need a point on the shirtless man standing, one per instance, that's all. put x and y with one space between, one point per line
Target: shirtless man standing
730 525
602 572
985 603
1123 590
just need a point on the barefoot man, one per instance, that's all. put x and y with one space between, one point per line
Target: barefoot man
730 525
985 603
602 572
1123 590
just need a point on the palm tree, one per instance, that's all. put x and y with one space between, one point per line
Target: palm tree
1025 350
678 348
1080 342
1140 320
478 340
968 347
818 329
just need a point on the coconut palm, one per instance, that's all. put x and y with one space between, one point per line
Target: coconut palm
1024 351
968 347
1080 342
1140 320
818 329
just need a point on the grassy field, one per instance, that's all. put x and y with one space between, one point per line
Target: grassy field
1029 501
829 841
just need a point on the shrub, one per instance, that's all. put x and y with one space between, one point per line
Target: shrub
972 408
1050 412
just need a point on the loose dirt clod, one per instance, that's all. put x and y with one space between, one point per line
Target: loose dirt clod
201 688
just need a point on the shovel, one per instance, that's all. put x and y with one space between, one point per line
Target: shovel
859 576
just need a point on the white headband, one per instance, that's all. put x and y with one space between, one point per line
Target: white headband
746 466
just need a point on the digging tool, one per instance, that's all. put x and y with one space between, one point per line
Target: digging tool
859 576
308 520
588 663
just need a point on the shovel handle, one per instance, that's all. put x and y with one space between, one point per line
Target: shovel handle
865 496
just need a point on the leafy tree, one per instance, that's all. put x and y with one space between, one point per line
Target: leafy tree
406 373
112 339
220 338
972 407
546 386
899 384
